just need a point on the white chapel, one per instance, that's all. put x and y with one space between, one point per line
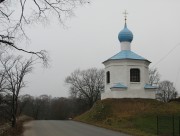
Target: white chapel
127 73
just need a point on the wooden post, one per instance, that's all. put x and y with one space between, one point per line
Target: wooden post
157 125
179 125
173 124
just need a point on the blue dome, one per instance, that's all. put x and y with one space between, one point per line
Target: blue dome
125 35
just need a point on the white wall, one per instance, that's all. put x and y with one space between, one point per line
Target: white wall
125 46
120 73
127 93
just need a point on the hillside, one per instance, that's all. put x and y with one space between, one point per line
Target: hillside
133 116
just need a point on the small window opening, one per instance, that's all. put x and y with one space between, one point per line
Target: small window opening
135 75
108 77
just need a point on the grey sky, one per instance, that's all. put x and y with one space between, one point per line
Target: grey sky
91 38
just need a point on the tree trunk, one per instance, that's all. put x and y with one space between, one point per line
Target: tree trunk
13 114
13 121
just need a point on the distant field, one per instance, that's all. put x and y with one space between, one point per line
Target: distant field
134 116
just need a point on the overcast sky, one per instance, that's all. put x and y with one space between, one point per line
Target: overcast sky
91 37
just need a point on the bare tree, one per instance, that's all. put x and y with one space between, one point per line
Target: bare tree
23 102
16 15
86 84
15 70
154 77
166 91
46 107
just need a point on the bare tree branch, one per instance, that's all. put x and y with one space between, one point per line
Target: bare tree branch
13 70
166 91
154 77
86 84
16 15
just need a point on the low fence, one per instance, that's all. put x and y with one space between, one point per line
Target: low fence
168 125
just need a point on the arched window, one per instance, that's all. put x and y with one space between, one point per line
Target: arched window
107 77
134 75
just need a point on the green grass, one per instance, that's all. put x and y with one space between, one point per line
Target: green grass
133 116
146 124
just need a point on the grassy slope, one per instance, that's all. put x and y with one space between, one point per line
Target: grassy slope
133 116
